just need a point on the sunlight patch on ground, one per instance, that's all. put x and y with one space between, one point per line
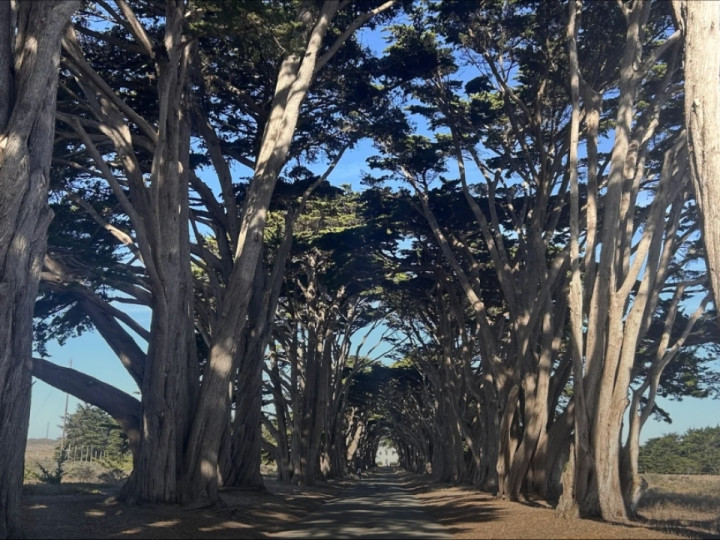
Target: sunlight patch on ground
95 513
226 525
167 523
272 515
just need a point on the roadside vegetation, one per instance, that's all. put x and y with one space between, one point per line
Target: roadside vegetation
681 500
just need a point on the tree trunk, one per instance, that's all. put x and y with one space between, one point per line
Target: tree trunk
244 470
488 477
169 388
575 496
282 452
607 320
702 110
247 424
30 35
536 387
507 443
294 80
159 210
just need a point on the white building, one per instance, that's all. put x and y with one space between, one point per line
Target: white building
386 455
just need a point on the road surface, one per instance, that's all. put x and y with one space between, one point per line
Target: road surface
378 506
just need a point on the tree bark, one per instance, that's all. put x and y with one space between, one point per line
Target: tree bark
701 22
244 469
622 285
294 80
157 205
30 34
575 480
169 387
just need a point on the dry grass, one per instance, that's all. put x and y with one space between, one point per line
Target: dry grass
41 453
683 501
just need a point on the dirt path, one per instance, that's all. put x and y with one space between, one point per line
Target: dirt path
379 506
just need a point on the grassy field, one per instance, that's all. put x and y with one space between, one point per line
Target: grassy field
680 500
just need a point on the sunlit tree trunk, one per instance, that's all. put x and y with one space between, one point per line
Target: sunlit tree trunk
158 207
607 320
701 21
171 372
575 487
294 79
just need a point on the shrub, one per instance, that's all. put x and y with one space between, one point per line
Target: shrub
56 476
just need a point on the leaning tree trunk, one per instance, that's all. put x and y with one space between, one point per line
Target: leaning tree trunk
30 35
702 110
246 456
244 467
295 77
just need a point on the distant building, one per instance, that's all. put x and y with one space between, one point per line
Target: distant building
386 455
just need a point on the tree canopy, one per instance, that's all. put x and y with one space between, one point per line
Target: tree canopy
520 265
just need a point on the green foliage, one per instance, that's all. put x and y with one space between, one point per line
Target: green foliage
92 427
696 452
54 477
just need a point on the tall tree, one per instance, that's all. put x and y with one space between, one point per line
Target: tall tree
30 34
92 427
156 202
700 24
299 68
116 121
618 283
519 121
328 291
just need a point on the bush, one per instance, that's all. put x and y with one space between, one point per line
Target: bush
112 476
696 452
56 476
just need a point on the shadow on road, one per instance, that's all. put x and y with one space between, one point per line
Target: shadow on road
378 506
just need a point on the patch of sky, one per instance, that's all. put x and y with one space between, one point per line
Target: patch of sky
89 354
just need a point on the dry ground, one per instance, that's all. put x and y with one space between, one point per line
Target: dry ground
472 514
674 507
90 511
